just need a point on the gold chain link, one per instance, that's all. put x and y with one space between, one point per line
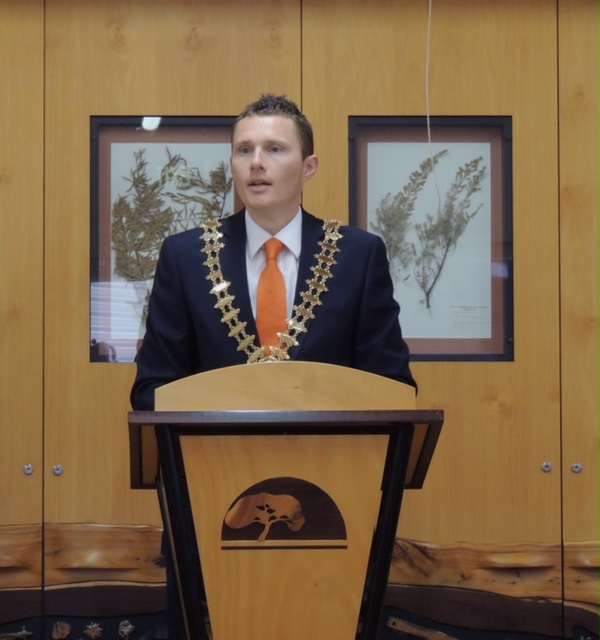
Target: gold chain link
301 313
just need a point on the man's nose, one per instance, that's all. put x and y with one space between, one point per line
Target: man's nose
256 160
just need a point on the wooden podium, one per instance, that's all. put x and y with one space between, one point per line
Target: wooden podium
280 486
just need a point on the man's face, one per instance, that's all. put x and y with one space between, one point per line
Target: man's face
267 166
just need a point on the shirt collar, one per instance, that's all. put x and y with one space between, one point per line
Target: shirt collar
290 235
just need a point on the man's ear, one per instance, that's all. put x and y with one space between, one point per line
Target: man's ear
311 164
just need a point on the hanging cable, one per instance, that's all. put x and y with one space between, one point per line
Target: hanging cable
427 106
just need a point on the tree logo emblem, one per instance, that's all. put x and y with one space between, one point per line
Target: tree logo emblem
283 513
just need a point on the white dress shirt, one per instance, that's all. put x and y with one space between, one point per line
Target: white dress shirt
291 236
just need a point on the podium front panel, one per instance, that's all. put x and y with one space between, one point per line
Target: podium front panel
284 526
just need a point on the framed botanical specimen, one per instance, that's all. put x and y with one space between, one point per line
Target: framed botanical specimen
150 178
439 193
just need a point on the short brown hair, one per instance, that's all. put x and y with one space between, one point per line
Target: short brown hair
271 105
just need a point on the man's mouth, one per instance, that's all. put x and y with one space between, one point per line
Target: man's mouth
259 183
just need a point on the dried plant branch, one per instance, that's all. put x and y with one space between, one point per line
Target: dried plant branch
200 198
140 223
439 234
393 215
141 219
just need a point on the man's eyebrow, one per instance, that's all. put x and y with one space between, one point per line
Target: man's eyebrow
269 141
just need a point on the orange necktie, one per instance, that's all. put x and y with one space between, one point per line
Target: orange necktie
271 300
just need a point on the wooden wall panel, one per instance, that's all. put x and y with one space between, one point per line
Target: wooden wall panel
579 262
578 98
21 306
21 260
127 57
487 58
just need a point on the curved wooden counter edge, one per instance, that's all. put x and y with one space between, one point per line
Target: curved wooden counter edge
285 386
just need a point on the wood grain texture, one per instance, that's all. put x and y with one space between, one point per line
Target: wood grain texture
21 259
502 419
21 556
92 554
578 128
518 570
478 612
290 590
504 587
114 58
578 74
300 386
581 568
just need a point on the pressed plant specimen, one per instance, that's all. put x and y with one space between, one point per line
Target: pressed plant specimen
436 236
152 209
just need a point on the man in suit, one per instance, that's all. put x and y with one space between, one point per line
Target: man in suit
353 323
202 311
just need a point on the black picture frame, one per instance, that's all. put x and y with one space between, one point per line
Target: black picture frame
438 191
150 177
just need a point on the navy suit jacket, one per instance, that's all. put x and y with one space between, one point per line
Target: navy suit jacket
356 325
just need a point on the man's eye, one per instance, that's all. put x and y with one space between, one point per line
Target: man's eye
275 149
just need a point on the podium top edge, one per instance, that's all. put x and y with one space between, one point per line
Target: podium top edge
428 416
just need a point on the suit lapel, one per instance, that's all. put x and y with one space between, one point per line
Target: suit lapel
233 265
312 234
